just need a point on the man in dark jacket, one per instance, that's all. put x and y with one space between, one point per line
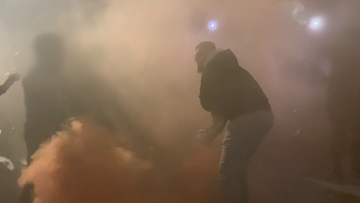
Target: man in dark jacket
230 93
344 102
43 95
43 92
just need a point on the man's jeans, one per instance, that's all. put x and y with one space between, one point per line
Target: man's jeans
243 136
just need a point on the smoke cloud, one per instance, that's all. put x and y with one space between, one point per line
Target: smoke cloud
144 49
85 164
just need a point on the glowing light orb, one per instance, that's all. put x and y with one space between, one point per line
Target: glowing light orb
316 23
212 25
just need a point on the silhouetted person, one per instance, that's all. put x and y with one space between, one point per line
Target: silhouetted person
344 101
9 189
230 93
43 95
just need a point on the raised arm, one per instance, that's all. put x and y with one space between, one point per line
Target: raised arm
8 83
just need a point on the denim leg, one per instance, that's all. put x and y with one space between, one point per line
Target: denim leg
243 136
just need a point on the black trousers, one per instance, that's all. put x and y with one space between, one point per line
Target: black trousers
34 136
26 195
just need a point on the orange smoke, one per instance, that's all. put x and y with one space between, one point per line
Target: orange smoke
85 164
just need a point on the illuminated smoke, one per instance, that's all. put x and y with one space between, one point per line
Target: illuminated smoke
86 165
149 50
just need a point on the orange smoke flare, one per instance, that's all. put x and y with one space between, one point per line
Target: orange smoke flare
85 164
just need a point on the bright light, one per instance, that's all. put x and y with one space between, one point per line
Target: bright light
316 23
212 25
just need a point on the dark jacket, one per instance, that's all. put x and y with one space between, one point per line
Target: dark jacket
229 89
44 111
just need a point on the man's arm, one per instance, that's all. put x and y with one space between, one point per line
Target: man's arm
3 89
207 93
219 121
210 134
8 83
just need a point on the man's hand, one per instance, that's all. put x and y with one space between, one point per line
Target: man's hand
12 79
209 135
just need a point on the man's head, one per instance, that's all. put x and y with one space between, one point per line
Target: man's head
204 49
49 48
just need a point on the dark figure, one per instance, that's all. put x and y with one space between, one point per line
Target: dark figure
52 97
344 102
43 95
8 185
230 93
